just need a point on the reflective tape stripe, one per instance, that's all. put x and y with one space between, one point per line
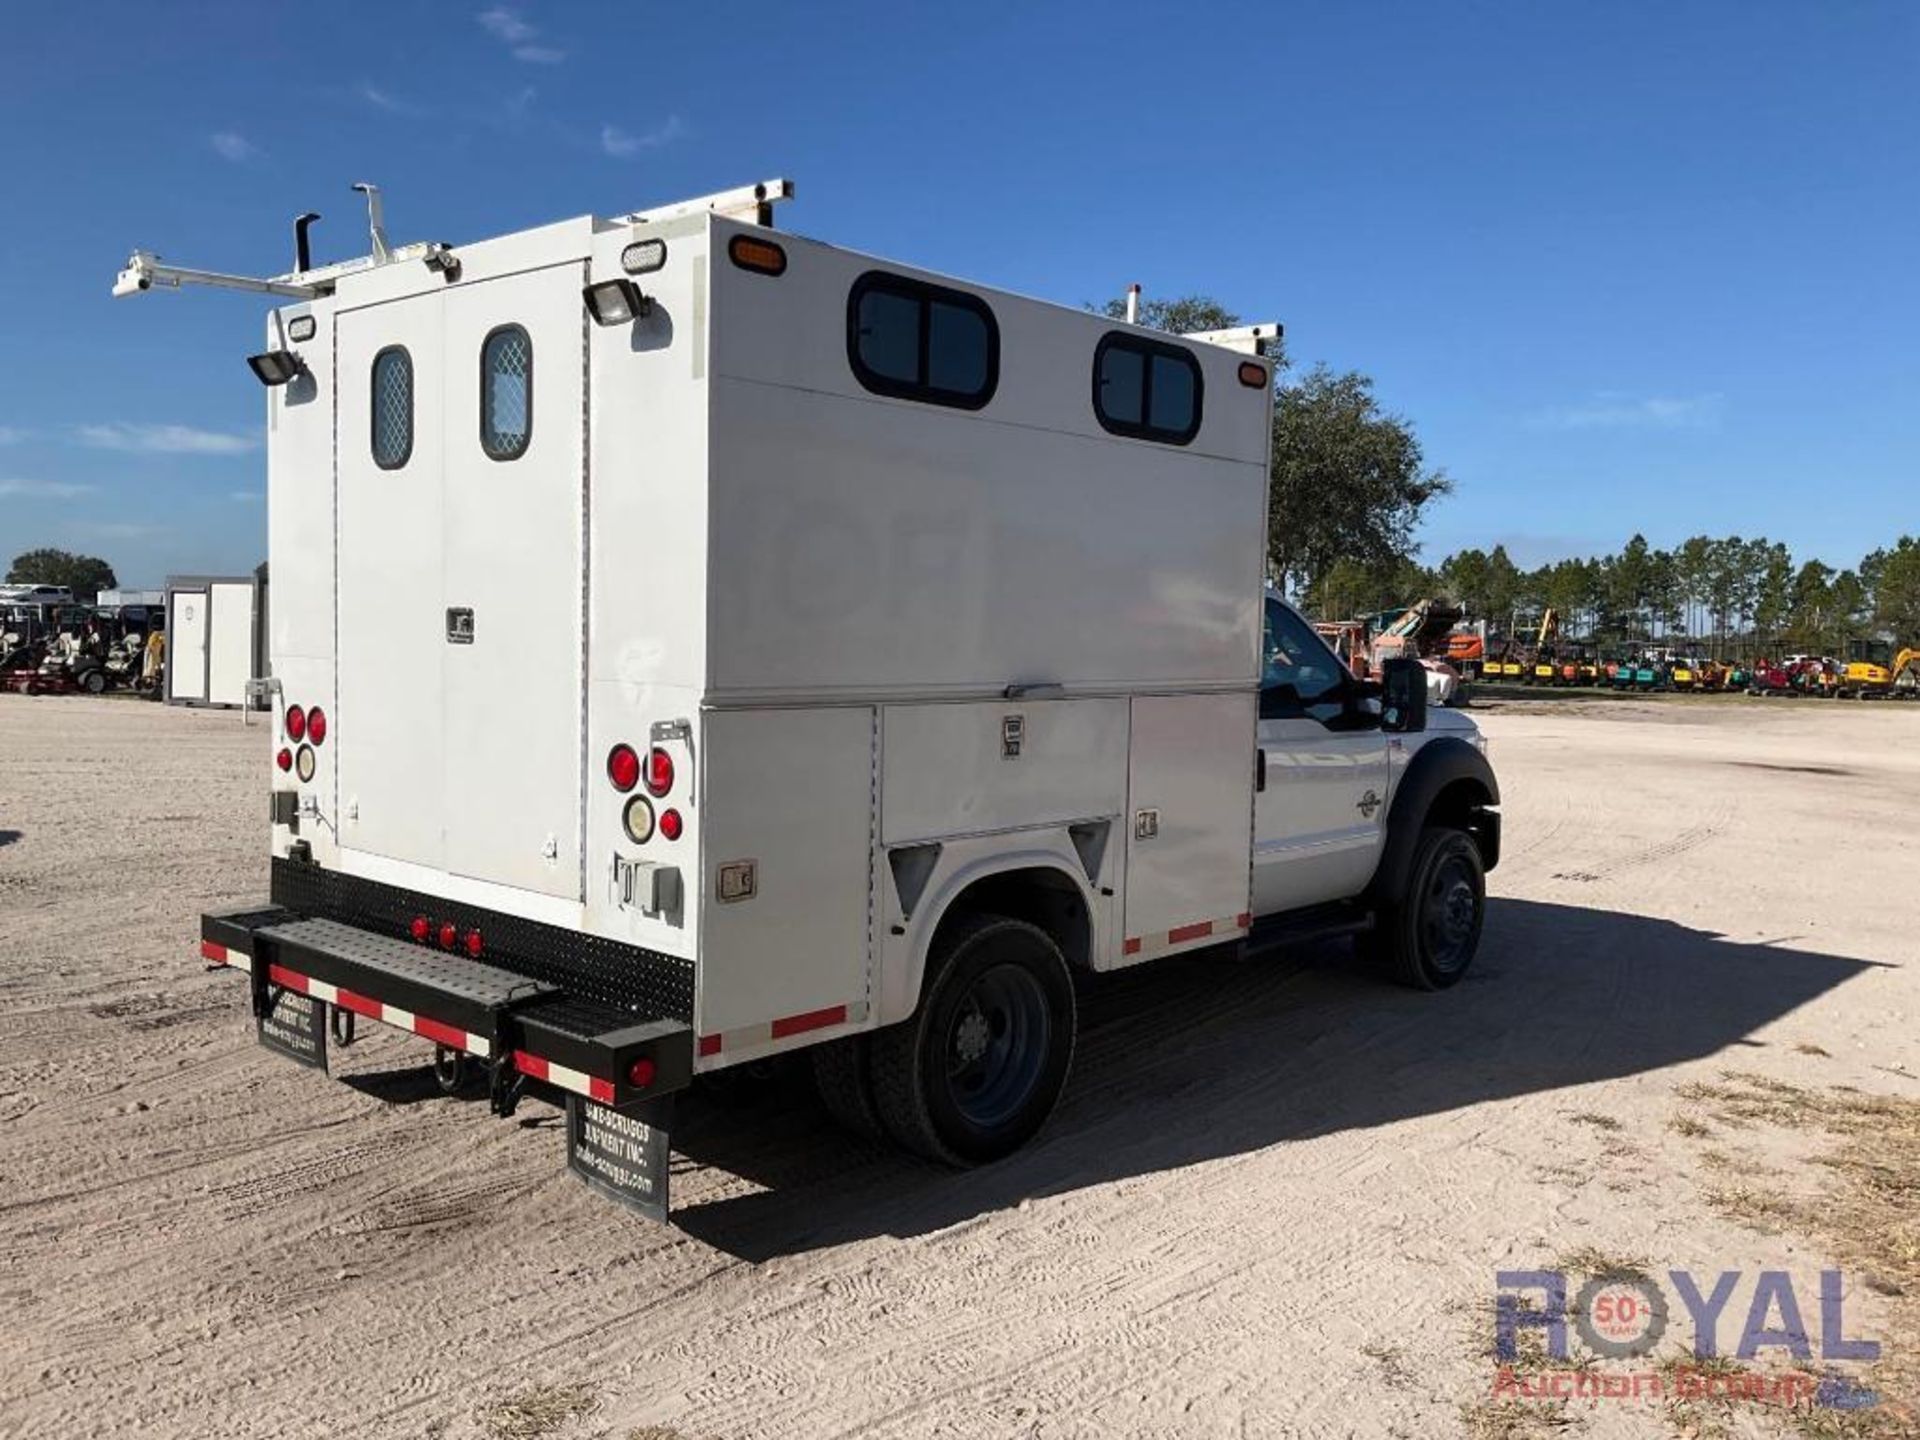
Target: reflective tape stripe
786 1026
578 1081
1159 943
441 1034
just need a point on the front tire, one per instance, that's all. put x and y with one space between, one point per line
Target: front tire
978 1069
1428 938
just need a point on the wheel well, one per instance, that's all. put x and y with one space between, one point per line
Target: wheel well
1042 897
1462 805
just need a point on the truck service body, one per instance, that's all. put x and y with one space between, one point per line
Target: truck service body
693 642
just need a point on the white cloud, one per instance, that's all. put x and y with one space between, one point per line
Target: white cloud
164 439
619 144
1616 409
9 435
43 489
245 497
386 100
506 24
232 145
539 54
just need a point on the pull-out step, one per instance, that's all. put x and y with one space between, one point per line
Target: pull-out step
513 1021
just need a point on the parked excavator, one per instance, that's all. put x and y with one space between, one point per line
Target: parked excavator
1874 672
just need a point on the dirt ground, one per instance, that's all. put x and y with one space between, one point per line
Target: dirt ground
1273 1202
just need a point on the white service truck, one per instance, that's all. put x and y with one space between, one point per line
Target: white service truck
693 643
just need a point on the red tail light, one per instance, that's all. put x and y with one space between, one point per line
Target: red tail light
659 772
475 944
623 768
296 722
284 759
448 934
670 824
317 725
640 1074
420 928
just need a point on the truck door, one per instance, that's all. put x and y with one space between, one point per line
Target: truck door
515 579
1320 817
461 580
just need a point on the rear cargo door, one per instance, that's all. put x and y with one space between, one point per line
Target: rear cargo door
386 726
515 578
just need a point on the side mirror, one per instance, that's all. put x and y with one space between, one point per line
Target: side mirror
1403 701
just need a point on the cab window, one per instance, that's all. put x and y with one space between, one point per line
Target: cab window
1299 675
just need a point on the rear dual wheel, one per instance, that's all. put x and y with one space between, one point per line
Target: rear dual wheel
979 1067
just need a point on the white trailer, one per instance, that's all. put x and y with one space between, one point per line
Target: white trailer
214 649
696 642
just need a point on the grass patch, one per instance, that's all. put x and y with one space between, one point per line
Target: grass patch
1513 1419
538 1410
1591 1260
1688 1127
1807 1047
1595 1119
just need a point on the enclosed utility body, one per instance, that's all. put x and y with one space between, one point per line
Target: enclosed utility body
695 642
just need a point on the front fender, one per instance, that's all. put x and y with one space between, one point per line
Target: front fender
1444 762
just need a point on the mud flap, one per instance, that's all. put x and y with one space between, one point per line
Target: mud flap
622 1153
293 1025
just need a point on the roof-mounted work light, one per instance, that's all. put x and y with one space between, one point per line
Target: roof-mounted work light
616 302
275 367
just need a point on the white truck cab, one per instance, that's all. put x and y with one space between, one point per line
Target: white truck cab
694 643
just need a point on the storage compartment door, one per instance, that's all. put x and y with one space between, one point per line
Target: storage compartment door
1190 822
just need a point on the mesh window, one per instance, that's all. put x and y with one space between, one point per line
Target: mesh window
506 393
392 408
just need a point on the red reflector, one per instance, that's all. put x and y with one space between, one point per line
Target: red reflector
448 934
670 825
623 768
296 722
475 944
284 759
316 725
659 772
640 1073
420 928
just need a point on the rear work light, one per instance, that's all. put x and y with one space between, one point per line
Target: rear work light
317 725
623 768
296 723
659 771
760 255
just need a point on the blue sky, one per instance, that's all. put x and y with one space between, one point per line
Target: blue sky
1626 266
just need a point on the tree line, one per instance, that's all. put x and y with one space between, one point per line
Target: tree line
1731 595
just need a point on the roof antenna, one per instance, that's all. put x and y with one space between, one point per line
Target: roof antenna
302 252
376 221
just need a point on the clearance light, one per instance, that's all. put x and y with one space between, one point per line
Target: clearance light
638 820
623 768
317 725
670 825
640 1073
760 255
303 763
475 944
1253 375
615 302
284 759
296 723
448 934
420 928
659 771
643 257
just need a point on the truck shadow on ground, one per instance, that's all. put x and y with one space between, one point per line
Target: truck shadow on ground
1196 1060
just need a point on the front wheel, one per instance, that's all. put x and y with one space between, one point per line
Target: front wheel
1430 935
978 1069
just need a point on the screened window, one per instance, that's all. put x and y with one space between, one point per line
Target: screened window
392 408
1146 389
506 393
916 341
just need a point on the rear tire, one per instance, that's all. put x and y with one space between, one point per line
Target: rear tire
94 681
842 1073
978 1069
1428 938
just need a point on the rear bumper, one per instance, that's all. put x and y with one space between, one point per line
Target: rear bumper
517 1023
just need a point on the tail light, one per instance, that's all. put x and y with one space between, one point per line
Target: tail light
640 1073
284 759
317 725
296 723
670 824
659 772
623 768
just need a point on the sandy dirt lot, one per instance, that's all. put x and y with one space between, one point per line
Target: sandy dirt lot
1272 1203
